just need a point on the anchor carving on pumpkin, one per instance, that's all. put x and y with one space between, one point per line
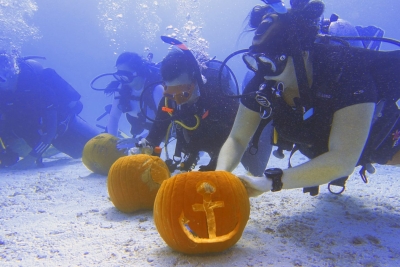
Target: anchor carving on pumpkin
206 190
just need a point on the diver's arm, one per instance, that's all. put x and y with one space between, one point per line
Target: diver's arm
115 115
349 133
244 127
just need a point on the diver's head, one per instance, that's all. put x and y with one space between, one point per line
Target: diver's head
280 36
132 70
281 41
296 29
259 11
179 78
8 72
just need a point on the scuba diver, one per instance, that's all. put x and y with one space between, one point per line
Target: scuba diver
134 74
259 149
193 108
40 107
338 105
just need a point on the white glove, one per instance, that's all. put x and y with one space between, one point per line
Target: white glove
143 148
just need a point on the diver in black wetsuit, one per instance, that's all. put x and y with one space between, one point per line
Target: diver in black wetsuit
338 105
40 107
195 109
194 103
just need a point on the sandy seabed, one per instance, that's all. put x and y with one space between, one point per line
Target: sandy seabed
61 216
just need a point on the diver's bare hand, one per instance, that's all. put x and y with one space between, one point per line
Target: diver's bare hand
255 186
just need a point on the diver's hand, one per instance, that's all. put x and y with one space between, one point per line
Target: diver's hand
25 163
255 186
126 143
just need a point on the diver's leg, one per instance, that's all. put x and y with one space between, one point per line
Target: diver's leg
257 163
72 142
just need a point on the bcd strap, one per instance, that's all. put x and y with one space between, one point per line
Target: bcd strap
253 146
302 80
338 182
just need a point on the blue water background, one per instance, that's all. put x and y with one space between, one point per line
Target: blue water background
82 38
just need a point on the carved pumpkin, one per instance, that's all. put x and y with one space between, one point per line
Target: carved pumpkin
133 181
100 153
201 212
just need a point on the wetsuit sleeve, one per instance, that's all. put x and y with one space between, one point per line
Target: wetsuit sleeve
47 132
159 128
249 91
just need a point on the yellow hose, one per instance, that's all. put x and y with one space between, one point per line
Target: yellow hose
179 123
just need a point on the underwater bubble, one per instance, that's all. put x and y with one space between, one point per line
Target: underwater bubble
15 30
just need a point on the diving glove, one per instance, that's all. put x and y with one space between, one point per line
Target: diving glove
142 147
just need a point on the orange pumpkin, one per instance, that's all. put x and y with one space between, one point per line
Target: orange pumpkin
133 181
100 153
201 212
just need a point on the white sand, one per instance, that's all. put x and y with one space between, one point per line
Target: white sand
61 216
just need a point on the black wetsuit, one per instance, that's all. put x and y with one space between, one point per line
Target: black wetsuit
342 76
42 111
216 113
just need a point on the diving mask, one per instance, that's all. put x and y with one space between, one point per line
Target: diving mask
179 93
124 76
269 66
